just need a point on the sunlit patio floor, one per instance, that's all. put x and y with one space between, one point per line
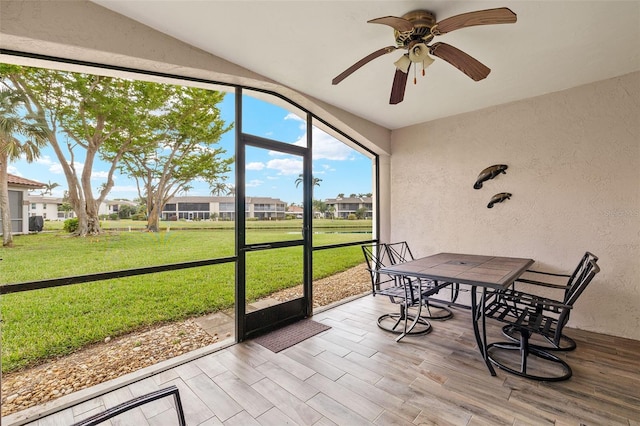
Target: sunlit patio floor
355 373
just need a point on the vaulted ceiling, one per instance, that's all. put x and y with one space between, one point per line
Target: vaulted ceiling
553 45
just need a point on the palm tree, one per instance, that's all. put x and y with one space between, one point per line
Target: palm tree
316 181
49 187
13 124
219 189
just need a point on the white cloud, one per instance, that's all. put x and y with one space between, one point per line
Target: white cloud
99 175
13 170
123 188
254 183
325 147
329 148
45 160
286 166
292 116
56 168
255 166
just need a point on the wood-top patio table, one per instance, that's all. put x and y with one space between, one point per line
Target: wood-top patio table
486 272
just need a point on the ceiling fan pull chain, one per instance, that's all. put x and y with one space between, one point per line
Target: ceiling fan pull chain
415 80
423 67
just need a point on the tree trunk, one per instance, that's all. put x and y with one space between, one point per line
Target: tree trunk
93 219
91 205
7 236
153 220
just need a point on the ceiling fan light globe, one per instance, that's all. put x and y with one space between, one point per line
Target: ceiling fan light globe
403 63
420 53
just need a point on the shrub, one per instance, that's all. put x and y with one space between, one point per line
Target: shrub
352 216
70 225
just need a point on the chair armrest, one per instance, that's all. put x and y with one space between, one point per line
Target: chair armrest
532 300
547 273
541 283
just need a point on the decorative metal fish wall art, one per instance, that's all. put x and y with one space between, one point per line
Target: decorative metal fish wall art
490 173
498 198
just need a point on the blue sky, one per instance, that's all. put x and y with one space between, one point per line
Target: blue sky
270 174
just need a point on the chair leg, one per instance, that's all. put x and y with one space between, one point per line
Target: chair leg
565 344
525 351
404 316
444 314
417 319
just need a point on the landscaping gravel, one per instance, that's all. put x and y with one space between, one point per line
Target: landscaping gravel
128 353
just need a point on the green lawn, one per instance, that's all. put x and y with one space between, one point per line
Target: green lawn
46 323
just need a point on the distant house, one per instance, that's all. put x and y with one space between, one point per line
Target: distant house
295 211
208 207
341 208
50 207
18 204
110 207
47 207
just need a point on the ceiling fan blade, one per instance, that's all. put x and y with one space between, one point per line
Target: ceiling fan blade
399 24
346 73
398 87
501 15
465 63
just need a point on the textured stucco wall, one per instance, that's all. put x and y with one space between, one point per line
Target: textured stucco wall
574 172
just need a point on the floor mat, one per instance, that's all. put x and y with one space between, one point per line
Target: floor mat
290 335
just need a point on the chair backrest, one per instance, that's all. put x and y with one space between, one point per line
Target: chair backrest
376 256
581 280
577 279
399 252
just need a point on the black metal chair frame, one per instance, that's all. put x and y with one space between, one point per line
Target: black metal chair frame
530 314
134 403
400 252
553 341
405 292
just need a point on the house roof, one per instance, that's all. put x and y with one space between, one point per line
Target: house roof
553 46
27 183
349 200
44 199
212 199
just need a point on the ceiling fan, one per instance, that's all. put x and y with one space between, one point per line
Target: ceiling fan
415 29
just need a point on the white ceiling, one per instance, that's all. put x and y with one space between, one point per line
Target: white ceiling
304 44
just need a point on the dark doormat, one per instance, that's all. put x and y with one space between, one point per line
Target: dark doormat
290 335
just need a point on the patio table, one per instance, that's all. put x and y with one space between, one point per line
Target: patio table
478 271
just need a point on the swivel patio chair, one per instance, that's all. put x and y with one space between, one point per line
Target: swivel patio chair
401 291
547 341
400 252
529 314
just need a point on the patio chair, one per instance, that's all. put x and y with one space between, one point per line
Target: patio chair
546 341
400 252
102 417
402 291
529 314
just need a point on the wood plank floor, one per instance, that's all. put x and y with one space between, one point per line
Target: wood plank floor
355 373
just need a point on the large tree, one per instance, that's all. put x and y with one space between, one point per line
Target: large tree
180 149
87 116
21 135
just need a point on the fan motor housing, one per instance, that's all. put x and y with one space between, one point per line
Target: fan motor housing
422 21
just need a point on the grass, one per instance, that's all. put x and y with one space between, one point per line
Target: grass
124 224
52 322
